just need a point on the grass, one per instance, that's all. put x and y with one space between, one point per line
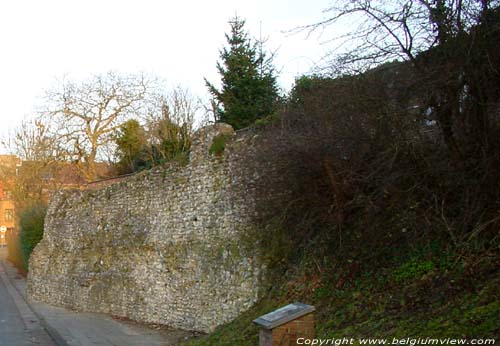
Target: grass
242 331
432 301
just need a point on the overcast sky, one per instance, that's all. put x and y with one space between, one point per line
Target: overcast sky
175 40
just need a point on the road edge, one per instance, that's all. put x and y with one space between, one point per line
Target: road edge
28 313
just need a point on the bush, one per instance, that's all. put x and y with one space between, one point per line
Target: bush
31 230
219 144
361 167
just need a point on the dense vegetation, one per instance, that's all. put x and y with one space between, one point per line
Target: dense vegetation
137 150
30 233
392 229
392 224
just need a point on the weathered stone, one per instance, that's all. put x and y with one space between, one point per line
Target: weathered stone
164 246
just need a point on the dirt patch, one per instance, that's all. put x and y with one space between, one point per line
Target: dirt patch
172 336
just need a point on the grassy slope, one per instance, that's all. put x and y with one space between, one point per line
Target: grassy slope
400 241
413 299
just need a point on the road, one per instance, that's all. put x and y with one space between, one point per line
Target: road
40 324
19 326
12 328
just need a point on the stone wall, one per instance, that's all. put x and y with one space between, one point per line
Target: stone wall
170 245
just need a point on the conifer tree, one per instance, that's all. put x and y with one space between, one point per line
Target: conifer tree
249 88
131 147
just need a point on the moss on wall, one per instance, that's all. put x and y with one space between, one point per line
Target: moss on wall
173 245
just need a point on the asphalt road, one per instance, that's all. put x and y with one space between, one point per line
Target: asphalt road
12 328
36 323
19 326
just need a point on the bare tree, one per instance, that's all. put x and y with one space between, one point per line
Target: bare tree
171 125
161 135
40 160
178 104
449 46
84 116
32 141
400 29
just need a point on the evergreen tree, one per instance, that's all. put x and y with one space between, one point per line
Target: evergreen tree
131 147
249 88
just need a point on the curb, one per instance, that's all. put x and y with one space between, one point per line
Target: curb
28 313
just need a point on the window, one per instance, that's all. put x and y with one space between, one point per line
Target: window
9 214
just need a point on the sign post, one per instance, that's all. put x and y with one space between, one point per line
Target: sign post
287 324
3 240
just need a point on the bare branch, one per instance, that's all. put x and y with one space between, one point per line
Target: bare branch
87 113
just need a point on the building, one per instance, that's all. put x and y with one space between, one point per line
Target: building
7 222
9 165
32 180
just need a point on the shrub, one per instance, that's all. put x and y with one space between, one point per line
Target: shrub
359 166
31 230
219 144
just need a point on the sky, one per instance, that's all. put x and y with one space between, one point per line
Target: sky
178 41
